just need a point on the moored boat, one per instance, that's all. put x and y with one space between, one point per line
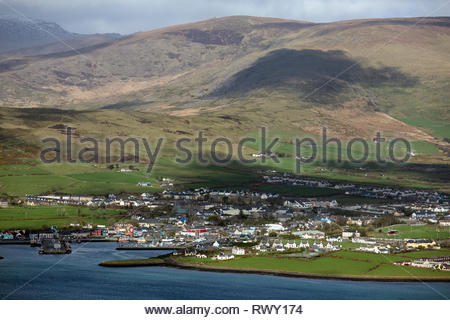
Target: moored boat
55 246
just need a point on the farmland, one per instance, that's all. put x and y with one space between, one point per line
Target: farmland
22 179
344 263
33 177
35 218
414 232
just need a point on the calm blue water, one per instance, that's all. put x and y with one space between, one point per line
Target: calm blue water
78 276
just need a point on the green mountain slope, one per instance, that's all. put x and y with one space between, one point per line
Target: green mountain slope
232 75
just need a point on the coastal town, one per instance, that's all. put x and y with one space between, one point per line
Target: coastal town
226 224
224 159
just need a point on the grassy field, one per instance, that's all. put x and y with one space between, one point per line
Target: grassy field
22 179
389 258
339 263
78 178
427 170
385 270
61 216
414 232
325 265
437 128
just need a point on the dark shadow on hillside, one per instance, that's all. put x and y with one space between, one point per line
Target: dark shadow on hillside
245 176
48 114
306 70
34 118
124 105
430 171
211 37
20 63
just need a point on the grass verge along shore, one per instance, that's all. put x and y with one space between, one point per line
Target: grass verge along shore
335 267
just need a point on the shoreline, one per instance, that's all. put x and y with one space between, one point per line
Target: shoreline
27 242
291 274
148 248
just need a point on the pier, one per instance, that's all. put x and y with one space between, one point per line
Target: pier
144 246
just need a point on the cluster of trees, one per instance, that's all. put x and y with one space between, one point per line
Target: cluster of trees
385 221
332 229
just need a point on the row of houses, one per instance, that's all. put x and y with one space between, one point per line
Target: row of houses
309 204
203 193
437 263
414 195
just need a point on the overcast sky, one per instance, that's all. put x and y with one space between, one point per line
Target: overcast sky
129 16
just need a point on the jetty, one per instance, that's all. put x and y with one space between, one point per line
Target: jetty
55 246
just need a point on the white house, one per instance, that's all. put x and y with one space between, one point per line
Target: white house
274 227
334 239
347 234
223 256
440 209
332 247
290 245
238 251
230 211
303 245
310 234
318 245
357 240
144 184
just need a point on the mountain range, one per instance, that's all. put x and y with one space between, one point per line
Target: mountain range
17 34
233 75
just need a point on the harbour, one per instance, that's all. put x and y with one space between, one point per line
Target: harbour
78 276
